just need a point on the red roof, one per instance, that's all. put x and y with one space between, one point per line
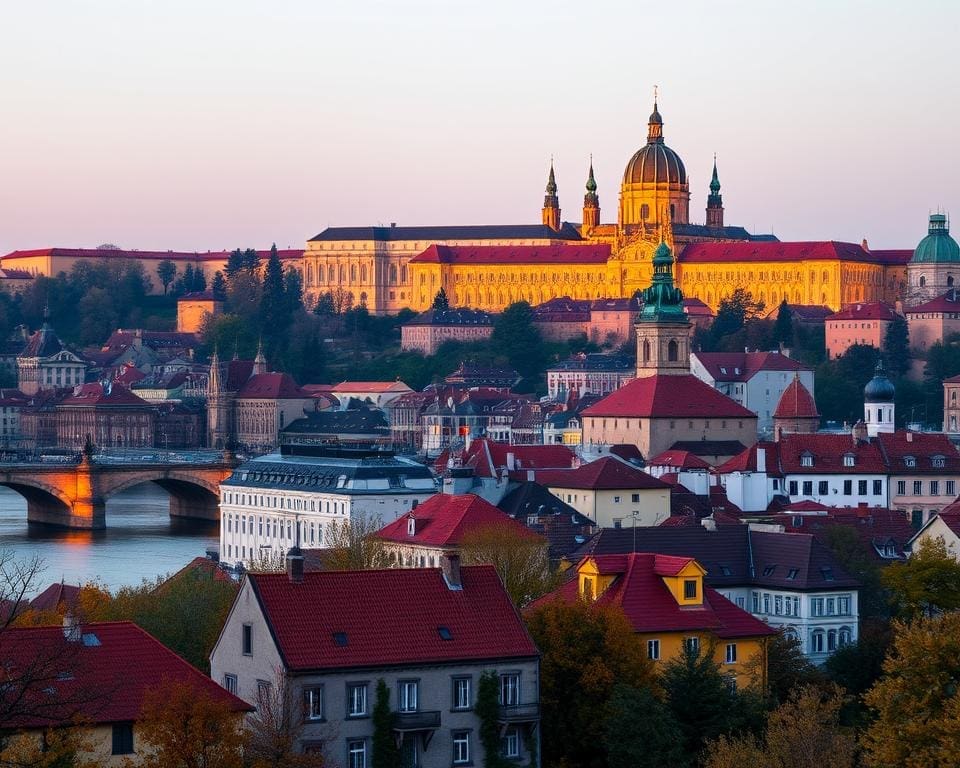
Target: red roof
238 371
897 256
444 519
489 459
119 253
370 386
772 251
949 302
742 366
605 473
54 596
874 310
796 402
827 453
128 374
272 386
922 447
649 605
559 253
746 460
665 396
397 621
117 661
678 459
116 395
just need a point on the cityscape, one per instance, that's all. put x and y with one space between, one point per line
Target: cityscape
493 481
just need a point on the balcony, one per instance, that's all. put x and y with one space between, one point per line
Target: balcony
405 722
520 713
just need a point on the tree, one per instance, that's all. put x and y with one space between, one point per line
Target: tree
787 667
516 338
166 271
219 286
385 751
915 703
783 327
521 561
273 307
896 347
293 290
353 546
324 305
487 709
586 651
186 727
234 263
853 556
927 584
440 301
641 731
275 731
56 748
803 732
733 312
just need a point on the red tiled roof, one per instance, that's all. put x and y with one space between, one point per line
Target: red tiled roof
773 251
874 310
746 461
679 459
272 386
897 256
796 402
119 253
444 519
116 659
488 458
806 506
742 366
922 447
665 396
370 386
395 622
128 374
605 473
650 607
54 596
828 452
560 253
949 302
95 395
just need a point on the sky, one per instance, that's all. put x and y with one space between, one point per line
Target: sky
212 124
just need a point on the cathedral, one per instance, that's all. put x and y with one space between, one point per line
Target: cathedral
491 266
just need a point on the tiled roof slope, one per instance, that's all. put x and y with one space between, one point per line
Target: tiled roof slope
605 473
567 231
659 396
444 519
678 459
396 621
488 458
949 302
116 659
796 402
560 253
875 310
829 250
271 386
923 447
828 452
743 366
113 396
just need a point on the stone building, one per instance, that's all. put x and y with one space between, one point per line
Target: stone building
935 265
428 330
860 323
193 309
933 321
110 414
46 364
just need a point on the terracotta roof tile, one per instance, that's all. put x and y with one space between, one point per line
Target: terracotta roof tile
605 473
662 396
561 253
743 366
772 251
875 310
271 386
796 402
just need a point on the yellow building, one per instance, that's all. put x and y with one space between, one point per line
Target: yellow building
669 607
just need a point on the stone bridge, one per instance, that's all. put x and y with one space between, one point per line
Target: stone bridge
74 494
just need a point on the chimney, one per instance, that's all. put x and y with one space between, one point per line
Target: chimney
72 630
295 565
909 437
761 459
511 459
450 564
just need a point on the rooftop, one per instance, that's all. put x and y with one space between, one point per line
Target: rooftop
662 396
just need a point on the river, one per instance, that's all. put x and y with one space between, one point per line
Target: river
141 541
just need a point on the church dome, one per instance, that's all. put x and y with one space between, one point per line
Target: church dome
655 163
879 389
937 247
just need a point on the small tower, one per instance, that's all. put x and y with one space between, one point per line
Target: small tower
591 202
715 200
551 203
663 328
218 407
796 411
878 405
259 362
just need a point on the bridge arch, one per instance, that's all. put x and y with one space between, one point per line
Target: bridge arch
46 503
192 494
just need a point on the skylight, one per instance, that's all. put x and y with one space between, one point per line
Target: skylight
827 572
793 573
340 639
768 571
444 633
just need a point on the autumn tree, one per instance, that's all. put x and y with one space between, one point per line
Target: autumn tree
915 703
353 545
586 651
166 271
184 726
926 584
386 754
803 732
520 560
641 731
64 747
275 731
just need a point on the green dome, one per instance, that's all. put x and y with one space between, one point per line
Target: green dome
937 247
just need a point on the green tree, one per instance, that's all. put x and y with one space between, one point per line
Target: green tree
516 338
915 703
853 555
586 651
487 709
733 312
641 731
293 291
926 584
783 327
521 561
440 301
98 317
385 751
896 347
324 305
219 286
234 263
787 667
166 271
274 315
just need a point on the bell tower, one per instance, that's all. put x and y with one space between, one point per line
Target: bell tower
663 328
551 203
715 200
591 202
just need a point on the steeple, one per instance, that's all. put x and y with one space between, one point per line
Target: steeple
214 387
259 362
551 203
655 125
715 200
591 201
663 328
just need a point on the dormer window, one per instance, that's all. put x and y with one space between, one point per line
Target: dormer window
806 460
939 462
910 461
689 589
849 460
411 526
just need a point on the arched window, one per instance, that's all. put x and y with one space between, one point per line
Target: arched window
923 281
950 281
672 212
672 349
832 640
819 644
363 273
646 351
393 274
644 212
309 274
343 274
331 274
353 273
845 636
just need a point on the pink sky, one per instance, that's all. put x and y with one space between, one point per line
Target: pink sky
209 125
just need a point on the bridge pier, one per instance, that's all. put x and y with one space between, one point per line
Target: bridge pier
203 506
90 516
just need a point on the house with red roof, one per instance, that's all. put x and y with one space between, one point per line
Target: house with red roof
97 675
933 321
945 525
438 527
951 405
377 393
755 380
862 323
669 606
428 633
797 410
924 472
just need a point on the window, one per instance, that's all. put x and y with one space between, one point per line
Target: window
816 606
861 487
808 487
653 650
848 487
848 460
934 488
247 640
793 573
831 606
843 605
409 690
951 487
356 754
616 499
901 487
806 460
909 461
264 690
461 693
510 743
823 488
356 699
939 462
731 657
635 498
313 703
818 641
689 589
230 683
917 487
510 689
461 748
877 487
793 488
766 602
122 739
692 645
778 604
756 602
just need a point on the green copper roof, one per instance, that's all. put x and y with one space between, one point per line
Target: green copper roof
662 301
715 181
937 247
551 182
591 182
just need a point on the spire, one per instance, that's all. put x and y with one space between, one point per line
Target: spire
715 199
551 203
591 201
213 378
715 181
662 301
591 182
655 123
551 181
260 361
